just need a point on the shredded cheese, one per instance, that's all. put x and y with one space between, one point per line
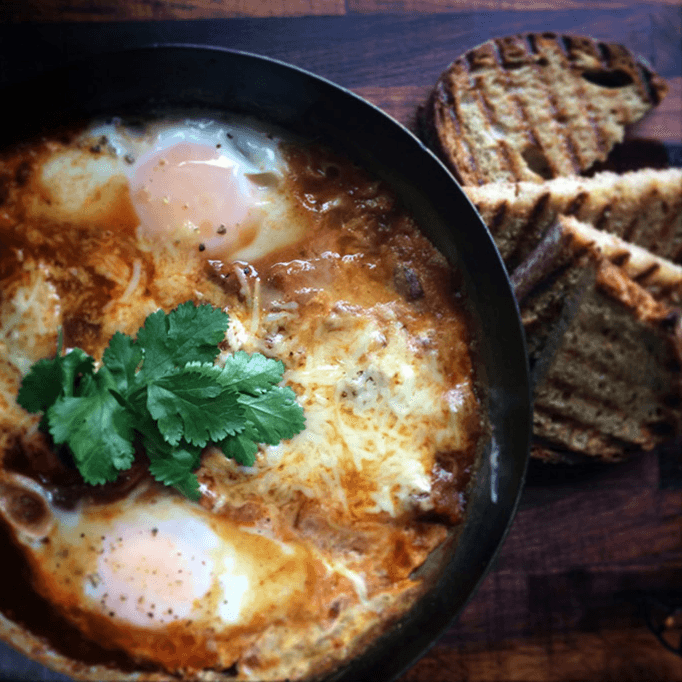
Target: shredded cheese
376 412
30 318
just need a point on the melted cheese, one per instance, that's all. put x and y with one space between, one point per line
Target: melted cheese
376 412
30 315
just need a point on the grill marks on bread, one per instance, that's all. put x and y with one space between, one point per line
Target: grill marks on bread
612 383
536 106
604 353
660 277
644 207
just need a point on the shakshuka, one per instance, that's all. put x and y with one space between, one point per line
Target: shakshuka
282 570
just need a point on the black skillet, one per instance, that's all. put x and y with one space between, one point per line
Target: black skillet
161 76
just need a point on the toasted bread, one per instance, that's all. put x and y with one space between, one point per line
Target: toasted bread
605 359
643 207
659 276
536 106
549 286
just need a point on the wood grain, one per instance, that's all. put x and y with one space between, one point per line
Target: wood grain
437 6
665 122
369 51
606 656
400 102
154 10
149 10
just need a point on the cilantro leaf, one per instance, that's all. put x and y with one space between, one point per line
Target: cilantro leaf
78 368
192 405
41 386
275 415
48 379
96 429
163 391
251 373
122 358
170 465
188 333
170 471
152 338
242 447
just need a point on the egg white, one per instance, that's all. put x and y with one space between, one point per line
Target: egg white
154 559
194 183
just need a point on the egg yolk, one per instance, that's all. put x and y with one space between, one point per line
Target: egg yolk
152 572
194 192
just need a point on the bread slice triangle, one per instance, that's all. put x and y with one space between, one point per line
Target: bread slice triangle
643 207
605 355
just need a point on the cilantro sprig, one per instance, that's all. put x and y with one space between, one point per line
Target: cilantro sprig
162 391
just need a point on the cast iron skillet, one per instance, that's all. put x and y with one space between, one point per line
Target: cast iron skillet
158 76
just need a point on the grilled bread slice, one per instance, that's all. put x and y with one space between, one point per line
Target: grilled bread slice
536 106
659 276
605 358
643 207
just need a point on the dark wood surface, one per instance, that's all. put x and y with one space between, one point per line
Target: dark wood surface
563 600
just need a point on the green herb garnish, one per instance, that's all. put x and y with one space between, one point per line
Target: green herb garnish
163 391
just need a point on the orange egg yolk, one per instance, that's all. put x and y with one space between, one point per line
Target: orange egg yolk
193 192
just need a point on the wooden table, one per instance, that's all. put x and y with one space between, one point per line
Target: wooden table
560 602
